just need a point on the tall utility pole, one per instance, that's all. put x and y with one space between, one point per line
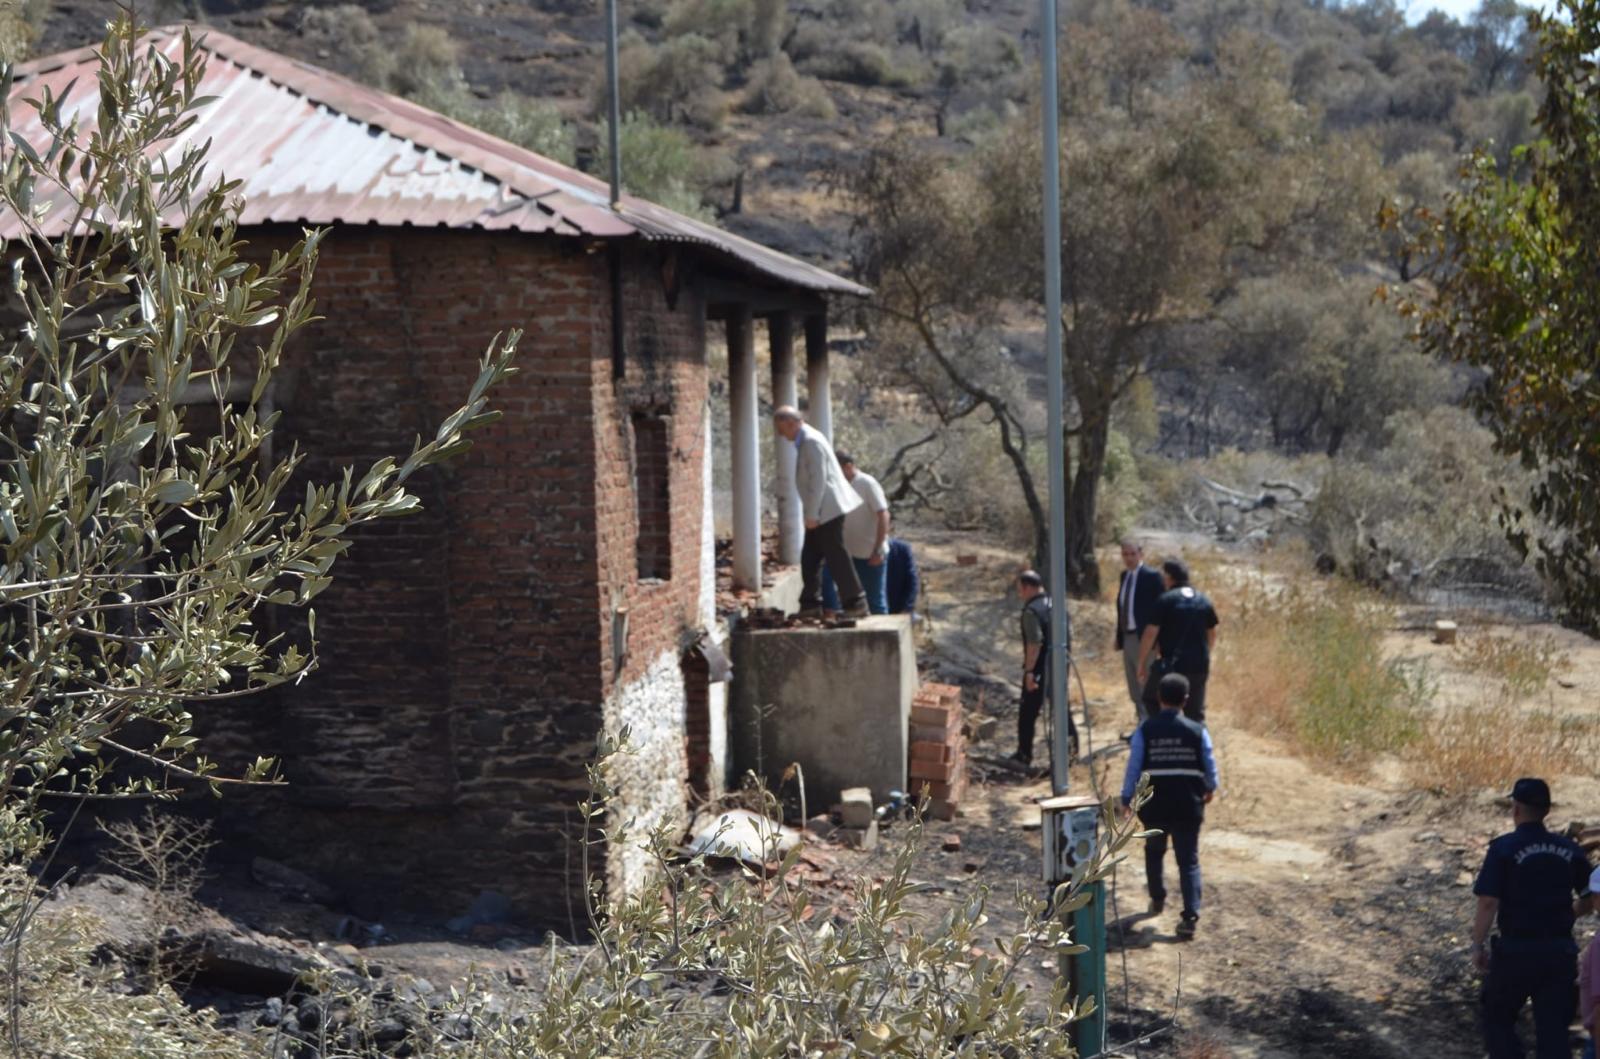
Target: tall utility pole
615 129
1060 746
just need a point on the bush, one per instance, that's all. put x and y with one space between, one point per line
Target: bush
1423 506
1487 747
21 22
1305 664
775 87
676 82
661 164
745 31
1523 664
859 63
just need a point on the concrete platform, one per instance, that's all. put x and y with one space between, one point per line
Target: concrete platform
838 701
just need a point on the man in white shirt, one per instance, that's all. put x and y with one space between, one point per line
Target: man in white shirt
825 499
866 534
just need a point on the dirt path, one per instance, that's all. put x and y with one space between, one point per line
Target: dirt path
1335 906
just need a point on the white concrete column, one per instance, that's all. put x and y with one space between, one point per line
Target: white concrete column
791 524
819 406
746 446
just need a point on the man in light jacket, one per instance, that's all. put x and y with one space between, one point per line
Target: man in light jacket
825 499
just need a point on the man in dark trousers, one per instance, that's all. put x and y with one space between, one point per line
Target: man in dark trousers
825 499
1179 639
1176 754
1141 587
903 583
1035 663
1527 885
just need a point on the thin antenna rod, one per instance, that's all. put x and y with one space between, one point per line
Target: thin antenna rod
615 130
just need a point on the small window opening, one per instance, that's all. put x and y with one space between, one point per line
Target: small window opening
653 494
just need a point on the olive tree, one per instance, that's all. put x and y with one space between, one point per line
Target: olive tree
1514 293
136 550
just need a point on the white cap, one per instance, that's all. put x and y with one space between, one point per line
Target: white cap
1594 881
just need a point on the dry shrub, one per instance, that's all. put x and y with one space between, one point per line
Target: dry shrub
1305 663
1524 664
1487 747
166 854
776 87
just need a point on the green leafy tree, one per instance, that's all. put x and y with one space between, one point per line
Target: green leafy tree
1516 295
137 548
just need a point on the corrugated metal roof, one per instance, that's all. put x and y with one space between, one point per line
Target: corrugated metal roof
312 147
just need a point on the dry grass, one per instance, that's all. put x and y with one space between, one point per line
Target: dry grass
1487 747
1304 663
1524 664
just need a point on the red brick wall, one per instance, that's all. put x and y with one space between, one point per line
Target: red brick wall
466 653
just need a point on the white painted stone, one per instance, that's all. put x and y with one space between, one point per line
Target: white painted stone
652 778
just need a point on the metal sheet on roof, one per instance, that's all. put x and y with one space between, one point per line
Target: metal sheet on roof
310 146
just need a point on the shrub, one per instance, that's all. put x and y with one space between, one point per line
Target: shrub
1524 664
21 22
859 62
662 164
1423 505
1487 747
1306 664
675 82
745 31
775 87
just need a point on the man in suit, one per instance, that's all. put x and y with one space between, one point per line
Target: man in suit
826 497
1136 606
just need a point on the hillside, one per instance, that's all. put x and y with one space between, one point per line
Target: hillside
909 68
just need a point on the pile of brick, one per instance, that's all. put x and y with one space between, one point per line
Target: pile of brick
938 749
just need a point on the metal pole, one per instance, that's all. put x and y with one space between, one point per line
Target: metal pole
1060 746
615 132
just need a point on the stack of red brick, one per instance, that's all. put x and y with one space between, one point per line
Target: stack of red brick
938 749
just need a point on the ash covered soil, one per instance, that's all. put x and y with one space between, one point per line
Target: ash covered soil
1336 905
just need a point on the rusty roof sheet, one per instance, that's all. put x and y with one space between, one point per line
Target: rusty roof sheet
312 147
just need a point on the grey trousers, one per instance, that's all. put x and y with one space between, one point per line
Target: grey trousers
1130 666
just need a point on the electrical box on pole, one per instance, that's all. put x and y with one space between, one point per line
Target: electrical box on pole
1070 836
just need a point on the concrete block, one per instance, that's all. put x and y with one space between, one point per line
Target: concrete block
837 701
855 806
980 727
862 838
1444 632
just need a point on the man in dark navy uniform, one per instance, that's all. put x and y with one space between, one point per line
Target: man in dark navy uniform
1527 885
1179 639
1036 665
1176 754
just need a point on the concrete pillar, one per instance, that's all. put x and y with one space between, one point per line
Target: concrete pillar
791 524
819 410
746 446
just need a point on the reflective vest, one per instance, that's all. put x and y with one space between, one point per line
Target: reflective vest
1174 759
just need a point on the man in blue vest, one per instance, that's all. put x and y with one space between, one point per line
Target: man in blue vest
1176 754
1527 885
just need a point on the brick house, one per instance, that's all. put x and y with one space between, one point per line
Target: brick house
563 570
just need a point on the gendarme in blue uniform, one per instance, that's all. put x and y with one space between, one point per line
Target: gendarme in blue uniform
1534 874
